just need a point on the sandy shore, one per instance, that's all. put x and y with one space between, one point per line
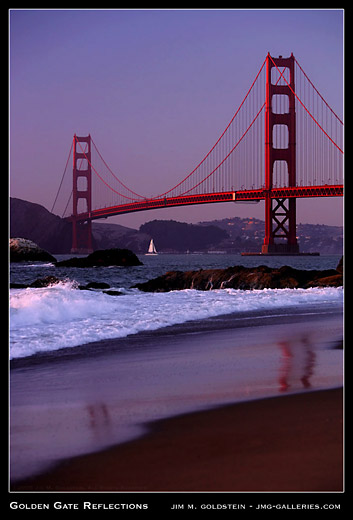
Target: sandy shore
287 443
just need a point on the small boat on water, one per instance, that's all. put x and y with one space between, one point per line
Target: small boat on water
151 249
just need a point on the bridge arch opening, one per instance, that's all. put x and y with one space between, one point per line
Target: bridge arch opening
280 137
82 183
280 174
280 104
82 165
82 205
277 78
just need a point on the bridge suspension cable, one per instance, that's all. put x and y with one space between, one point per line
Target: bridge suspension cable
228 155
305 108
62 179
222 136
101 178
313 86
113 174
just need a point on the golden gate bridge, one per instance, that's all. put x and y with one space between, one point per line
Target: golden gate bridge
283 142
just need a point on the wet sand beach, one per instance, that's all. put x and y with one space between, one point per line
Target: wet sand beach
291 443
249 403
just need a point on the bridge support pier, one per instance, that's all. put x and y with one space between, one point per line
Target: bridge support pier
280 214
81 237
280 221
81 190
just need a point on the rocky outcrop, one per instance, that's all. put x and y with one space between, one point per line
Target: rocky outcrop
22 250
103 258
40 282
239 277
47 281
339 267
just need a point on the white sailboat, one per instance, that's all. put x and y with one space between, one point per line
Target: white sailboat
151 249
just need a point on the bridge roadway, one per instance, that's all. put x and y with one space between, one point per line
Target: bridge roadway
211 198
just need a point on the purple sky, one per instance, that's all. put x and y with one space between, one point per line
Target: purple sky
155 89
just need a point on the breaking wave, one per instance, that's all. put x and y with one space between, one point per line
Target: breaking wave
60 316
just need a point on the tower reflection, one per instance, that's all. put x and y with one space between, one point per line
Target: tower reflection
297 363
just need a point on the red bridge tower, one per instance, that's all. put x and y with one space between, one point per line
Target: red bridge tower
81 189
280 214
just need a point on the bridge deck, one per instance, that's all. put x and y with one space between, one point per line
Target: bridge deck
211 198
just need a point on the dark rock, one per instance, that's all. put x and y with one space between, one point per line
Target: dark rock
113 293
338 345
100 285
97 285
45 282
40 282
339 267
334 280
52 280
245 278
23 250
103 258
14 285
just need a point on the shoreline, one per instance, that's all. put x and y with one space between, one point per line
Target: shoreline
227 321
76 404
287 443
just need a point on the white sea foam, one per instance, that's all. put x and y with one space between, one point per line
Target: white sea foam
61 316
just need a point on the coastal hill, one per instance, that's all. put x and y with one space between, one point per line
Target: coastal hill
54 234
34 222
247 234
234 235
171 236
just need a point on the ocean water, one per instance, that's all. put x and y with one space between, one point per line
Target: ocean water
61 316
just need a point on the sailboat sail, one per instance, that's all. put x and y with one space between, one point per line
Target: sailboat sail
152 249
